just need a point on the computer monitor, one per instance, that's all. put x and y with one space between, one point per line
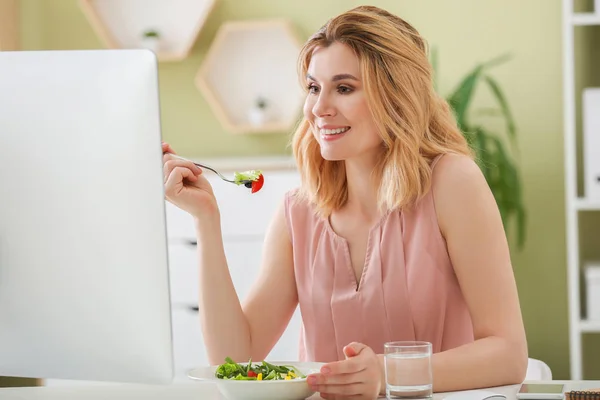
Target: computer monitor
84 281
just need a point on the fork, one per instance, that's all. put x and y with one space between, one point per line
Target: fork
245 182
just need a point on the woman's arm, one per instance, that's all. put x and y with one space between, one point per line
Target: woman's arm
470 222
236 330
230 329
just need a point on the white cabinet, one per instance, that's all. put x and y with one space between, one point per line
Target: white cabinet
244 218
592 280
188 346
582 170
183 273
591 143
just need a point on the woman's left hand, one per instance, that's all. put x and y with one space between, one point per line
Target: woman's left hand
359 376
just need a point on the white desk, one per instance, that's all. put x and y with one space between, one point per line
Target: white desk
187 391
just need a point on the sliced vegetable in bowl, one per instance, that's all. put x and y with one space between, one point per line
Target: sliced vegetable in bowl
263 371
235 381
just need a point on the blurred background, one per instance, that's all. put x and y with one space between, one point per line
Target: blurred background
228 91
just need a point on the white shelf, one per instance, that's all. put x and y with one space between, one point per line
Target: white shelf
590 326
120 24
587 205
249 60
572 112
581 19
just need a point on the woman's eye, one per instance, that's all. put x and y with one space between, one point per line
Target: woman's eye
312 88
344 89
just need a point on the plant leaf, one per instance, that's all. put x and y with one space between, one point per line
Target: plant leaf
511 190
480 144
497 166
488 111
510 122
521 218
460 99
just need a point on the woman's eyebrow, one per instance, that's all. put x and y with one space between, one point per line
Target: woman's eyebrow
337 77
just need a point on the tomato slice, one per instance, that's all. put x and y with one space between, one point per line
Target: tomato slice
252 374
258 184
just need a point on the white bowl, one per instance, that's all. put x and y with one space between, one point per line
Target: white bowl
294 389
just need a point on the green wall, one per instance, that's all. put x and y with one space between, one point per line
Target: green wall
465 32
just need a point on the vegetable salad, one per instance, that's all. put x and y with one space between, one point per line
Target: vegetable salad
262 371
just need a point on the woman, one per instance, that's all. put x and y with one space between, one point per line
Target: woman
393 234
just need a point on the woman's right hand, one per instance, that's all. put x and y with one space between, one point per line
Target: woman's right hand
185 186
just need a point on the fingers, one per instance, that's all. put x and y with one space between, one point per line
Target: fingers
353 389
170 164
320 379
356 377
171 160
166 148
341 397
174 181
344 397
354 349
348 366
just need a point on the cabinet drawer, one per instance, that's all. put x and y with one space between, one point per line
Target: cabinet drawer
180 224
243 259
183 267
188 344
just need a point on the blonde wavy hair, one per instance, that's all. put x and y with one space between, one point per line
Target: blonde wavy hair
415 124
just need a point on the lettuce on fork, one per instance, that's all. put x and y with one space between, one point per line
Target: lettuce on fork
252 179
252 175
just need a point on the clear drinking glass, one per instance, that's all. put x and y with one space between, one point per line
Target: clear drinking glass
408 372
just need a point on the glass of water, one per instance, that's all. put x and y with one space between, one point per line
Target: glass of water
408 372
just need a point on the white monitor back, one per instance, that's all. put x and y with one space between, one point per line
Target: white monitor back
84 285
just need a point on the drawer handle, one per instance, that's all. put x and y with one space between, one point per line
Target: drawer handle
192 242
194 308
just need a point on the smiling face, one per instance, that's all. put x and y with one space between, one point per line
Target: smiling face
336 105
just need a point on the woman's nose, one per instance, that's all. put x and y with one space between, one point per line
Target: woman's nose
323 107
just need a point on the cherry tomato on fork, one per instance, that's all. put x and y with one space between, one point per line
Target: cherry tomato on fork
258 184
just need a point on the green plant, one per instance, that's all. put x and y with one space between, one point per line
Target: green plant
261 103
151 33
498 166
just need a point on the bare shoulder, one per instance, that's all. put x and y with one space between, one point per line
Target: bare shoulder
456 169
461 192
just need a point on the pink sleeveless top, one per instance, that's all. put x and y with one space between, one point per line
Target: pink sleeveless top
408 290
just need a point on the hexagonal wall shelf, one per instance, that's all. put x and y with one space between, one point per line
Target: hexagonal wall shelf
123 24
249 76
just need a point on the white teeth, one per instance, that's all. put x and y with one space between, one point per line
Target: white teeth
334 131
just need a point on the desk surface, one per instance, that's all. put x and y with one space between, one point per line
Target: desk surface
186 391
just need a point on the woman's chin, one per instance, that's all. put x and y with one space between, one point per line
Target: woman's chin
331 156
